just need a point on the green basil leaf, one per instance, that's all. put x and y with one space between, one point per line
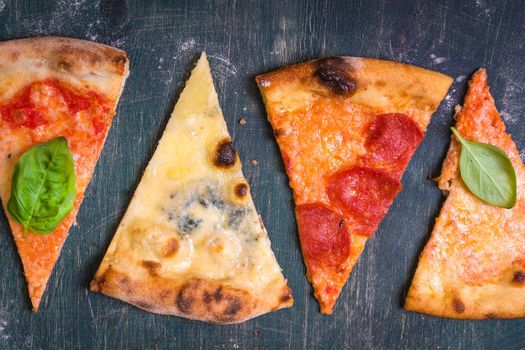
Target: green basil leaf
487 172
43 187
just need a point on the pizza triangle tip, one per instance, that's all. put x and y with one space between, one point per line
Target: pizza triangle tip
35 302
191 243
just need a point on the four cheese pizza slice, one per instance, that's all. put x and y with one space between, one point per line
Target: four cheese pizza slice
474 264
52 88
191 243
347 128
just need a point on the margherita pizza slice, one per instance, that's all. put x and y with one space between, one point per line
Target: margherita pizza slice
473 267
191 243
347 128
58 89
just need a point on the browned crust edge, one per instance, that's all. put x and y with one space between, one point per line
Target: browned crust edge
352 61
456 310
194 298
66 54
436 84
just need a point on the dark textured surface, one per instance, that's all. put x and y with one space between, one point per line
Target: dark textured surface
242 39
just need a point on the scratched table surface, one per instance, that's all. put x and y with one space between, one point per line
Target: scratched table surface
243 39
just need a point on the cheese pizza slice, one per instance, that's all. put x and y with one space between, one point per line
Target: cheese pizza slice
191 243
473 266
57 100
347 128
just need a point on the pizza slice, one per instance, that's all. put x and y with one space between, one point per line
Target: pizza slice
473 266
191 243
57 100
347 128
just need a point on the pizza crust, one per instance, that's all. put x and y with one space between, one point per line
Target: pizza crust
379 85
84 63
195 298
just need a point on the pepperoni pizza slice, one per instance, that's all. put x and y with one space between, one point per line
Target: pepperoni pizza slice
347 128
57 100
473 267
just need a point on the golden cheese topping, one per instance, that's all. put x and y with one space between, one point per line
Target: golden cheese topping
192 215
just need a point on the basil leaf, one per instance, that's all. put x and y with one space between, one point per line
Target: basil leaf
43 187
487 172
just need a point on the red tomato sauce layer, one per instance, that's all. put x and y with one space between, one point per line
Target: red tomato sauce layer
39 104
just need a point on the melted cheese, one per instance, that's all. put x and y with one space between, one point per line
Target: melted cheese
185 216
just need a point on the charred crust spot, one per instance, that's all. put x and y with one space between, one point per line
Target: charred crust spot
241 190
152 267
97 284
125 284
119 60
143 305
286 296
490 316
224 154
207 298
218 294
185 298
124 281
458 305
9 156
234 305
214 302
63 64
518 277
278 132
94 59
334 72
170 248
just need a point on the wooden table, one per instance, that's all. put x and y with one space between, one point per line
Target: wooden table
245 38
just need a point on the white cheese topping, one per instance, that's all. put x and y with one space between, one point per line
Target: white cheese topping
186 214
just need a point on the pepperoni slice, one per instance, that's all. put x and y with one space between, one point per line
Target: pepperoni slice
391 141
325 240
364 194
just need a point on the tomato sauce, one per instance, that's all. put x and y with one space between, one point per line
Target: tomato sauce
22 112
29 109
